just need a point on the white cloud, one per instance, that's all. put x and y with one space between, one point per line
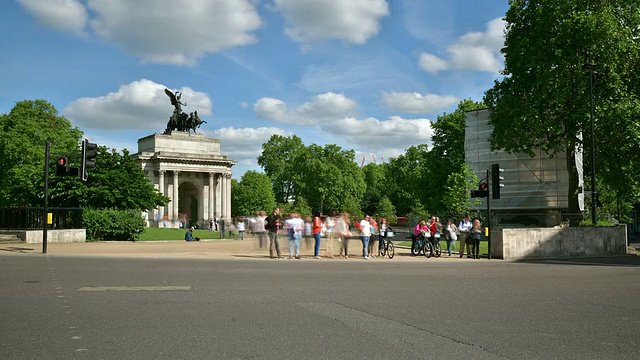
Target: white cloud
64 15
354 21
322 108
473 51
141 104
244 145
416 103
388 137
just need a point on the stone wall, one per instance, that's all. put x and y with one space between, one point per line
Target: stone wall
55 236
530 243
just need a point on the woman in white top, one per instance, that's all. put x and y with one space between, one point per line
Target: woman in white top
365 235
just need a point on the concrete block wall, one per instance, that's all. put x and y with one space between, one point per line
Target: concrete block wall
530 243
56 236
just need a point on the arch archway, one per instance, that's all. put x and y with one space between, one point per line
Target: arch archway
188 205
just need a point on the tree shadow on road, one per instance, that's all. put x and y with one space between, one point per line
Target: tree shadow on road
15 249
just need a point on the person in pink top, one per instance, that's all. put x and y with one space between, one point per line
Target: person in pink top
420 227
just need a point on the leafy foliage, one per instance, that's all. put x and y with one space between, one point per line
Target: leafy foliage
386 209
543 101
112 224
23 134
252 194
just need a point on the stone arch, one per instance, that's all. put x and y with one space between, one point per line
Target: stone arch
189 202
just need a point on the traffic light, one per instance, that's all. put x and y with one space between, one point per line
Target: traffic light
89 151
496 181
482 192
62 166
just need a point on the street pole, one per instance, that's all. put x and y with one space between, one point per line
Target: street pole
45 209
489 183
594 194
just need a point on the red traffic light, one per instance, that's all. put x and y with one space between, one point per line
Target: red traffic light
483 186
62 161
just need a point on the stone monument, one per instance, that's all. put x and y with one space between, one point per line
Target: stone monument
189 169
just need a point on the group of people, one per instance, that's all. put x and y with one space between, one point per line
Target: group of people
469 233
338 230
335 230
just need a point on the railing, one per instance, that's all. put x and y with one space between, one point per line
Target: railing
30 218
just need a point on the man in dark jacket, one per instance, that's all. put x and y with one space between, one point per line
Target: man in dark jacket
273 224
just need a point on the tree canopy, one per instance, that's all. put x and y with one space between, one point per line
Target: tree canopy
543 99
117 181
251 194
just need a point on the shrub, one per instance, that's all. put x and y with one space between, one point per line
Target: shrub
112 224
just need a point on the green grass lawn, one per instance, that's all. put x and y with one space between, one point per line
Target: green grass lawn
484 246
151 234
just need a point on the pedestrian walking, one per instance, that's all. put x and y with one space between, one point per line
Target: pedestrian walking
450 235
294 225
241 227
273 224
317 235
465 239
342 229
365 235
329 225
476 235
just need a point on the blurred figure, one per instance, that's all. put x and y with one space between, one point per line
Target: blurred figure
373 249
241 227
329 225
308 232
259 229
273 224
344 235
420 228
294 225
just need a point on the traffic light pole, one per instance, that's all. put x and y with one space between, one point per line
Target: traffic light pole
45 209
489 182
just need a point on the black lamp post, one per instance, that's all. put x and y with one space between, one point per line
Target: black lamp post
594 194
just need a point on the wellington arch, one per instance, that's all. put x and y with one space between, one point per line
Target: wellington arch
189 169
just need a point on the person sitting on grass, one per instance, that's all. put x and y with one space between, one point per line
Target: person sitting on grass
189 236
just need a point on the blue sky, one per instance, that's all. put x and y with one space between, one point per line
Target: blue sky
368 75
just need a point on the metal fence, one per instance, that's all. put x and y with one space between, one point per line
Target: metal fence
30 218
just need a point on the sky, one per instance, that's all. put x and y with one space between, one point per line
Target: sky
367 75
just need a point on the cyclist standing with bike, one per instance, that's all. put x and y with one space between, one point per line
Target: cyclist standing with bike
384 231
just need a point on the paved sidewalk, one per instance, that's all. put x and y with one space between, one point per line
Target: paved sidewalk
206 249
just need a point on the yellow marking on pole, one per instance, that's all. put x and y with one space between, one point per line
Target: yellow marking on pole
133 288
49 218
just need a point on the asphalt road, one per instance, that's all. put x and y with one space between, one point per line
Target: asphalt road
110 308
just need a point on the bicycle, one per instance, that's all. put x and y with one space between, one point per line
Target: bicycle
422 245
436 248
388 248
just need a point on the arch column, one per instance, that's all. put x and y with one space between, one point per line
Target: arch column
223 198
212 195
161 189
174 200
228 195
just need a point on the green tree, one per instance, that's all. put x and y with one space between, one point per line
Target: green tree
117 182
23 134
457 193
386 209
328 175
543 99
279 160
447 157
253 193
376 189
407 179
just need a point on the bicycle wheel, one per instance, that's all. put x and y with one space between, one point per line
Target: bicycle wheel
391 250
427 249
415 248
437 249
383 250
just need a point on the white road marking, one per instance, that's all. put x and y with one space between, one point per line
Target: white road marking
133 288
